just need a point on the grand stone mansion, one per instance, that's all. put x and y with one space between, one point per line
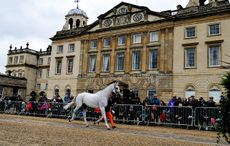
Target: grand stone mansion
175 52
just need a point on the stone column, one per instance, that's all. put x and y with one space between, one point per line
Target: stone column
127 54
113 56
143 53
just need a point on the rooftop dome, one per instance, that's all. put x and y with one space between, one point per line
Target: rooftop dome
77 11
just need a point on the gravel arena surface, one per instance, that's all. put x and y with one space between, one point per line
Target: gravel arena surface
35 131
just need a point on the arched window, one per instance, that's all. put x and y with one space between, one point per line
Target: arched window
68 90
189 91
151 92
214 92
77 23
134 92
70 23
56 91
84 23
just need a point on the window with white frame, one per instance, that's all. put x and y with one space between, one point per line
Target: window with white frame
137 38
215 92
10 60
107 42
213 29
190 57
151 92
154 36
21 59
121 40
190 32
136 60
38 86
214 55
69 65
39 73
190 91
40 61
93 44
15 59
46 86
120 61
60 49
56 91
153 57
47 72
71 48
49 59
106 60
58 66
92 63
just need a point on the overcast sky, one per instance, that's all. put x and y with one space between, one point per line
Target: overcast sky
35 21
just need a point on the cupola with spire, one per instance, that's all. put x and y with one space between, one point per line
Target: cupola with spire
75 18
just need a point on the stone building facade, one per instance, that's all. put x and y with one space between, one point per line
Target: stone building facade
170 52
201 42
12 86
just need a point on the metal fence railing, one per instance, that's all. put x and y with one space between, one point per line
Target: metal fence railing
201 117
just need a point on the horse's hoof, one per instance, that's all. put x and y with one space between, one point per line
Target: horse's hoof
87 126
108 129
94 123
114 127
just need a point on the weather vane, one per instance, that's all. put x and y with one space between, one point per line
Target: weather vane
77 1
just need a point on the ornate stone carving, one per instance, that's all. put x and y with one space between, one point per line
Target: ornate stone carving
137 17
122 11
122 20
107 22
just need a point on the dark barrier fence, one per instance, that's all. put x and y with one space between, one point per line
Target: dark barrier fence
204 118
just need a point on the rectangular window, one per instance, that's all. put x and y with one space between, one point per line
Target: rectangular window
49 59
190 57
93 44
136 60
60 49
153 57
92 63
46 86
214 29
39 73
120 61
107 42
47 72
106 61
15 59
38 86
40 61
58 66
154 36
10 60
71 48
214 55
190 32
21 59
137 38
121 40
70 66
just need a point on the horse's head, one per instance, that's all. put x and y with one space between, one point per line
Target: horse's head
116 88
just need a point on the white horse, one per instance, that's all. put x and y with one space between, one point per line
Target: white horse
97 100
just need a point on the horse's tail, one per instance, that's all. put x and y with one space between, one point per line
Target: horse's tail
70 104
